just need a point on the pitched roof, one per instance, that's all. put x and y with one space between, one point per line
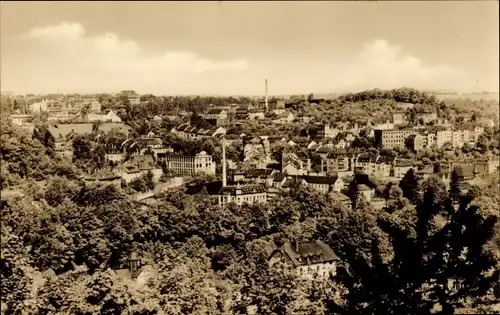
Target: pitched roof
385 160
326 180
404 163
244 189
306 253
256 173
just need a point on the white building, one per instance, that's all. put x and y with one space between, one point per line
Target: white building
107 116
240 194
308 259
190 165
324 184
38 106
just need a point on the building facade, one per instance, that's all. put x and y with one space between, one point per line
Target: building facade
307 259
190 165
240 194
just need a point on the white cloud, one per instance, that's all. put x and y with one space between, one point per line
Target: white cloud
107 56
382 65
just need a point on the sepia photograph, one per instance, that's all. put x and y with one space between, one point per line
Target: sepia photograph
249 157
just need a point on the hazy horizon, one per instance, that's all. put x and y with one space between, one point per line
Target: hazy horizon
229 48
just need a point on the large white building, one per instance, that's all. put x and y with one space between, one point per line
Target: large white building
308 259
190 165
240 194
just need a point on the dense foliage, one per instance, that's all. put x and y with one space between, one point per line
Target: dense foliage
62 241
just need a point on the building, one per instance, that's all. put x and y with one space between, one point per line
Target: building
217 117
284 117
38 107
323 184
308 259
137 269
291 164
365 192
415 142
186 131
337 163
242 112
400 168
104 177
383 166
329 132
398 119
391 139
20 119
63 148
107 116
240 194
190 165
256 114
428 117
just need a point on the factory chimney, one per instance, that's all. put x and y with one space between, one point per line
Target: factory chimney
266 97
224 180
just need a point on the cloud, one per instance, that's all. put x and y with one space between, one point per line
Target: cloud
382 65
106 56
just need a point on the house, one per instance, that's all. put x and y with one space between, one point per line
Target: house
279 180
128 172
136 269
465 172
217 117
365 192
242 112
323 183
394 138
293 165
240 194
401 167
338 161
256 114
104 177
366 162
308 259
383 166
20 119
305 119
284 117
107 116
424 172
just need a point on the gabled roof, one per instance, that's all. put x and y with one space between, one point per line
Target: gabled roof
245 189
367 158
306 253
256 173
325 150
385 160
404 163
279 178
326 180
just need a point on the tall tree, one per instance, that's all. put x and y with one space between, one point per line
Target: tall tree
455 186
409 185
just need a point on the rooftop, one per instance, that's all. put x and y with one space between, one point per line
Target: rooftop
306 253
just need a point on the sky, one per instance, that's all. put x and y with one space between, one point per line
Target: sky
230 48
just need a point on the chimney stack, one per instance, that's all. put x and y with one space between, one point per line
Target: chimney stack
224 180
266 97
